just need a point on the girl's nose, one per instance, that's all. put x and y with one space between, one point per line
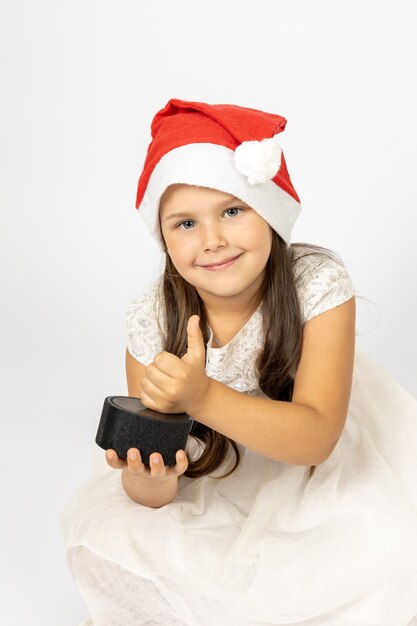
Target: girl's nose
213 236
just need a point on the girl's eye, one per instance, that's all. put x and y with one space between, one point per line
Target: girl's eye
191 221
235 208
181 223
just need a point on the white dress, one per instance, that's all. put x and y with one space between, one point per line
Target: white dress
268 544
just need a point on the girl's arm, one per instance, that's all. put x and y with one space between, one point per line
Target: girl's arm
135 371
152 486
306 430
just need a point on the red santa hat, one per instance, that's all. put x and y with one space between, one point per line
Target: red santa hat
222 146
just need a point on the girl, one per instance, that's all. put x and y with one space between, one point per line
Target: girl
294 501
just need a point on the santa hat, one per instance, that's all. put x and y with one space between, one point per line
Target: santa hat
222 146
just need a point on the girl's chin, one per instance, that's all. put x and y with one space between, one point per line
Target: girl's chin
221 291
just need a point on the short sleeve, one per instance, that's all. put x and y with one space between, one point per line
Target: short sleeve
144 335
322 284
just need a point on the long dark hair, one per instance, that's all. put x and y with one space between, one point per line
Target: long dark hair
283 332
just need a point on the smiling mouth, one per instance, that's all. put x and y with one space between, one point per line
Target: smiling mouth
222 265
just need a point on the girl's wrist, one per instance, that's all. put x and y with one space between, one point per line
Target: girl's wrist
201 400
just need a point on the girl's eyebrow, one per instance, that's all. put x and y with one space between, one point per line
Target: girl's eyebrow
189 213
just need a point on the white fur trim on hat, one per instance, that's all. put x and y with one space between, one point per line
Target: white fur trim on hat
212 165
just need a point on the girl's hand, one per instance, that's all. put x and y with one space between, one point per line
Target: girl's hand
173 385
156 470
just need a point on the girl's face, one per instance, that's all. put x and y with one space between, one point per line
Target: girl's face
203 226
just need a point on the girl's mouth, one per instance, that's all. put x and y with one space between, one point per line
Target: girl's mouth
223 266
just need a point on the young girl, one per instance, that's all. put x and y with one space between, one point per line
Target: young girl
295 501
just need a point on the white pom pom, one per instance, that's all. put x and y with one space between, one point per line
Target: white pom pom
258 160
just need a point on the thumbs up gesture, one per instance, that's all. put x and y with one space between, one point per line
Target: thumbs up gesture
173 385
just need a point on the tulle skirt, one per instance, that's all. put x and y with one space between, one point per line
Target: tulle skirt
268 544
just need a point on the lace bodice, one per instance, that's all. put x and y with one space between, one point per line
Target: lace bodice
321 283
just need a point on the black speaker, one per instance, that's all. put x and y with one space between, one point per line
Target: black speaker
126 423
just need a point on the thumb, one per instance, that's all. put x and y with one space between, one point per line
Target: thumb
195 345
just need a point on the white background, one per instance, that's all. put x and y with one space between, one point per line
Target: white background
81 81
